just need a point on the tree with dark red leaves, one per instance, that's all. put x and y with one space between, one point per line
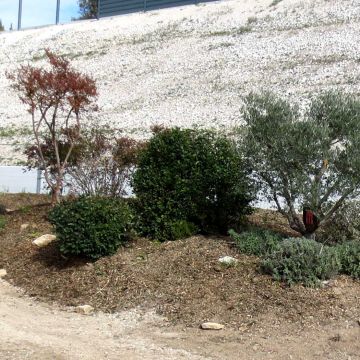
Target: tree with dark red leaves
55 97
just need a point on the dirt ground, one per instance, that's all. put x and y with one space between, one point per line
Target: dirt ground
34 330
150 299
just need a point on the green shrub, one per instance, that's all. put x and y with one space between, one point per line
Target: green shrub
182 229
191 176
91 226
300 260
2 222
2 209
349 253
344 225
256 242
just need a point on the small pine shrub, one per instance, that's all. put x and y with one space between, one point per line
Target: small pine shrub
2 222
181 229
91 226
349 253
257 242
302 261
189 176
2 209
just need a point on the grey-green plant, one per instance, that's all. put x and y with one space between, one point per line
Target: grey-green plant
300 260
349 254
255 241
343 227
299 158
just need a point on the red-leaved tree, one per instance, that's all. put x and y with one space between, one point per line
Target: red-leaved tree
55 98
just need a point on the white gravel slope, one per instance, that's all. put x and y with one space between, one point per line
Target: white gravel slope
191 65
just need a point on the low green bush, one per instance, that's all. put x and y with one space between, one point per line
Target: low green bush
187 176
343 227
91 226
181 229
349 254
256 241
300 260
2 222
2 209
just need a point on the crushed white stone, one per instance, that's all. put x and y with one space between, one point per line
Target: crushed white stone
191 65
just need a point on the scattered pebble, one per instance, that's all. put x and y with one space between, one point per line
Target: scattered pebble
44 240
24 227
2 273
85 309
212 326
228 260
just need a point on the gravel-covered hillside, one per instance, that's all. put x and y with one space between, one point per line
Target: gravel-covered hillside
191 65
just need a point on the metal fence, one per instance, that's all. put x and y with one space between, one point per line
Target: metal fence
16 179
117 7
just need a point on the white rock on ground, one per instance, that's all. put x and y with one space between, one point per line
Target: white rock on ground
85 309
44 240
212 326
228 260
2 273
192 65
24 227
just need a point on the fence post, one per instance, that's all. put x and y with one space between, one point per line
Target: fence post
38 181
19 14
57 12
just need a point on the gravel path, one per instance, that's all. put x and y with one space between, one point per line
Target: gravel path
31 330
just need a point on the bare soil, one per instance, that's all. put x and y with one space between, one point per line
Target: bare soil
158 295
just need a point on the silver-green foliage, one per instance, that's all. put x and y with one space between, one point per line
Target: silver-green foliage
343 227
311 158
257 242
349 254
300 260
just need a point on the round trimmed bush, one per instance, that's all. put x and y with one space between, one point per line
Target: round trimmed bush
302 261
187 180
91 226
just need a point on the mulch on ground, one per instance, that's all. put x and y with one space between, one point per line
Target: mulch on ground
182 280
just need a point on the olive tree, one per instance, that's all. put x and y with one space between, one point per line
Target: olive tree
55 97
88 9
304 158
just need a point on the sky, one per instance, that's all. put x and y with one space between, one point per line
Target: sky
36 12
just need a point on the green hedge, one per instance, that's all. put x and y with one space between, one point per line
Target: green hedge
91 226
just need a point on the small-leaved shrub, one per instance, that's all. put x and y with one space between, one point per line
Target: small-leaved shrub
2 209
187 176
2 222
300 260
91 226
344 225
349 254
256 241
181 229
